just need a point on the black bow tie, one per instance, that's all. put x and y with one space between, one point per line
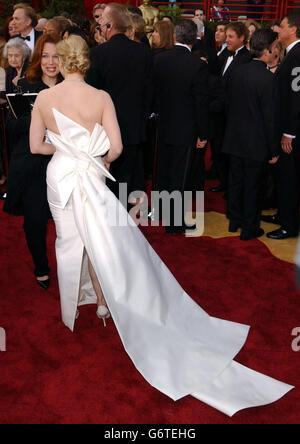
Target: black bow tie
25 38
232 53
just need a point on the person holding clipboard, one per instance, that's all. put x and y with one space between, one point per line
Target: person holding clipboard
26 186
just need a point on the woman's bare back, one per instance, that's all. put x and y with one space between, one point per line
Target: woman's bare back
80 102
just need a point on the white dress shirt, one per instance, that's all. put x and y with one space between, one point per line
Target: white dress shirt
224 46
230 59
30 43
185 46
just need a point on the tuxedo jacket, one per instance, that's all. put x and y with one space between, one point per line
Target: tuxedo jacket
123 68
289 96
221 61
181 92
251 117
243 56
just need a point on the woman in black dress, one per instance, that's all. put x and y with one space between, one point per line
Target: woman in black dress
26 187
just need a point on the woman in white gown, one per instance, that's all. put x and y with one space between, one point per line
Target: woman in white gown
177 347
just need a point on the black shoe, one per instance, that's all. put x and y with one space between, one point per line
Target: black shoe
280 234
247 235
218 189
44 284
271 219
233 227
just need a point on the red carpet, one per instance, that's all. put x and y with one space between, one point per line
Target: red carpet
49 375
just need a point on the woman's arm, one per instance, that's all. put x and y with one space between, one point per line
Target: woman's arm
111 126
37 132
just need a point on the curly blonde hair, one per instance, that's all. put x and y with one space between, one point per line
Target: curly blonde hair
73 53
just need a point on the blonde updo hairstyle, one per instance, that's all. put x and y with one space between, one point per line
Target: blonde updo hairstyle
73 54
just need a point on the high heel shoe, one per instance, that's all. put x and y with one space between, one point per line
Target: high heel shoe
103 313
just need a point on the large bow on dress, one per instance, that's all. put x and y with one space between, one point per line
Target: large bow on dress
83 150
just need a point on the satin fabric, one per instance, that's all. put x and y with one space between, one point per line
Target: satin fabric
177 346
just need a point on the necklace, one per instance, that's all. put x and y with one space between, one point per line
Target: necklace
74 80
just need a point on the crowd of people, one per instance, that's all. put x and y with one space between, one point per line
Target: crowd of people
90 122
230 89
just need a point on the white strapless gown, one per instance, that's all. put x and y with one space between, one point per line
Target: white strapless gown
177 347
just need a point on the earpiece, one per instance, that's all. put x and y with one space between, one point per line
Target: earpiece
107 25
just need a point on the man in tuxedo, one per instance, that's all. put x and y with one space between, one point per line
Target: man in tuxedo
251 141
181 89
25 20
123 68
236 54
220 38
209 36
288 165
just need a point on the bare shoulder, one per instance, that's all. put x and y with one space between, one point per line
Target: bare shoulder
44 95
104 96
101 97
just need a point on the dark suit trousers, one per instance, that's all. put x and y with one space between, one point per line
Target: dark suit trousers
36 215
220 159
173 169
288 188
196 180
244 192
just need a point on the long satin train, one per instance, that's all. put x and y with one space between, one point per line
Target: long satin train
172 341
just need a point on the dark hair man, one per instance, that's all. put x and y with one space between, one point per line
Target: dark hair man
251 140
236 54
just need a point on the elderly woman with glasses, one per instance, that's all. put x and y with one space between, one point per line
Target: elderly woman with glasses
17 54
